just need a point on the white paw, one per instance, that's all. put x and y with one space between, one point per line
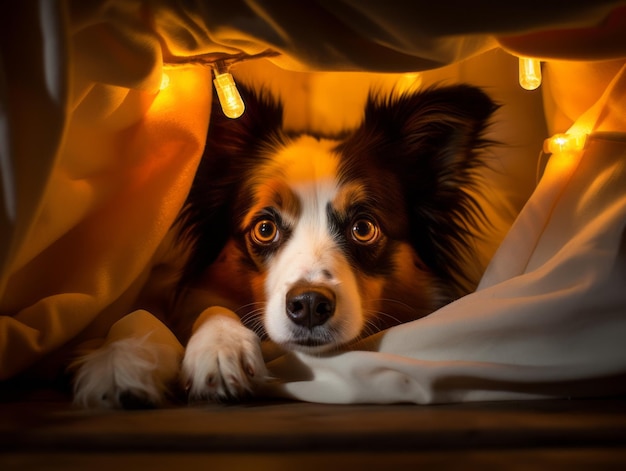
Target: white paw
223 360
128 373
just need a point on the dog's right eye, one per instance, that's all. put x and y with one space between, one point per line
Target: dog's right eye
265 232
365 231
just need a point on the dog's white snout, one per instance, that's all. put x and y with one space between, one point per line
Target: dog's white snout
310 305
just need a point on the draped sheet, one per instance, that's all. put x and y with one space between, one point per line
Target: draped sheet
96 161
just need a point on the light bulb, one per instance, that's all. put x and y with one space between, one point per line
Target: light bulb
165 81
560 143
529 73
228 95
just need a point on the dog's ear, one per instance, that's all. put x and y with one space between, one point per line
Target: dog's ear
433 142
232 147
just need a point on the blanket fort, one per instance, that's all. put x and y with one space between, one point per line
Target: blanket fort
97 153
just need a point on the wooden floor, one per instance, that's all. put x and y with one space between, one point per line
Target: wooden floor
46 432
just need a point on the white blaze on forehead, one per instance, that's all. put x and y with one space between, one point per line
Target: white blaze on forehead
309 167
301 173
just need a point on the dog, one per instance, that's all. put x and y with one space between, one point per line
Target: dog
314 242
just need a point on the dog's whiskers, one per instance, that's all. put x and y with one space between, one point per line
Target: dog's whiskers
377 320
261 305
253 319
377 315
400 303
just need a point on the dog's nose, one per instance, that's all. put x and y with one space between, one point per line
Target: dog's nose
310 306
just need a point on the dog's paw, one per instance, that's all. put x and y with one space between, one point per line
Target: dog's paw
129 373
223 360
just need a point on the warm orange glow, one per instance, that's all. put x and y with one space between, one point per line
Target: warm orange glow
183 84
529 73
409 82
165 81
562 143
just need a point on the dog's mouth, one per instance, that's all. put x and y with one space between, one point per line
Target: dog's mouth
306 342
315 340
309 343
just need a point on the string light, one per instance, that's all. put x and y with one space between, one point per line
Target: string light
529 73
562 148
227 93
165 81
561 143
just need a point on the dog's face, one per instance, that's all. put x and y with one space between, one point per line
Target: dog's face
325 251
326 240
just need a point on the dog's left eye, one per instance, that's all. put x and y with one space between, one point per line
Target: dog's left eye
265 232
365 231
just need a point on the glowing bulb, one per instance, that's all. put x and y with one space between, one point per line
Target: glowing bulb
560 143
165 81
529 73
228 95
